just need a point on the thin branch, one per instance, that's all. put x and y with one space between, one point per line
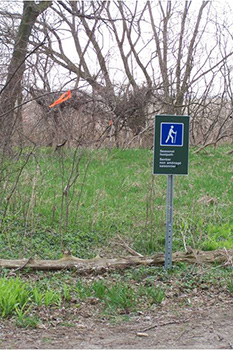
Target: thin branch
24 60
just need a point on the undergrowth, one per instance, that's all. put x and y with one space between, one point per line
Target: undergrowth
20 300
83 200
30 299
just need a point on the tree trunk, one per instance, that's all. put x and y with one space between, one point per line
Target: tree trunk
16 68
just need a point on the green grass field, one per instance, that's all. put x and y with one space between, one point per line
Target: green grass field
83 200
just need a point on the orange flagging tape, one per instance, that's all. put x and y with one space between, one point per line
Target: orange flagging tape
62 98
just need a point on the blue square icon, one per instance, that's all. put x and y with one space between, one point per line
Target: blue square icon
171 134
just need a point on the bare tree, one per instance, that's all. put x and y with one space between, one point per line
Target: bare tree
133 60
16 67
175 59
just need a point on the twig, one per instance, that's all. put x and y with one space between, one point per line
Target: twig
181 335
212 143
142 132
165 324
184 242
24 265
24 60
229 261
130 250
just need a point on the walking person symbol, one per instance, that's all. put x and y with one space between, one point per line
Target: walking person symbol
171 135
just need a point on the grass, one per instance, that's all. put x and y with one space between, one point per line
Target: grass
20 300
13 295
28 300
16 297
83 199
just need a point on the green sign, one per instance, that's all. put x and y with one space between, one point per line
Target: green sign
171 145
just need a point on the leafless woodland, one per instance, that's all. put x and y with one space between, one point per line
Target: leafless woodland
124 62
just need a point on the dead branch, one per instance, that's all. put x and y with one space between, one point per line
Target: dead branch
100 265
165 324
129 249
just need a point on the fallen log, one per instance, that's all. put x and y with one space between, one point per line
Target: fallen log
99 264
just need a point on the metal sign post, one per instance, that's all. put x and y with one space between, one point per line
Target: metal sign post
171 145
169 223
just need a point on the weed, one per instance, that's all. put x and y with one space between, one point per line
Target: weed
153 295
99 289
37 297
83 290
121 296
52 298
23 320
230 286
8 304
66 293
13 294
84 210
27 322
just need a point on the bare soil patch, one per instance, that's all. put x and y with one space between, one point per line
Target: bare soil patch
199 320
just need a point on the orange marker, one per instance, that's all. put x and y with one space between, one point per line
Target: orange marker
62 98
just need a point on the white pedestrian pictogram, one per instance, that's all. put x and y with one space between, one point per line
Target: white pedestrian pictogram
171 135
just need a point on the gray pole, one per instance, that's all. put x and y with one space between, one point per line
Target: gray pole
169 223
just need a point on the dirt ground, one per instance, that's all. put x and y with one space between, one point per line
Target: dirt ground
188 323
